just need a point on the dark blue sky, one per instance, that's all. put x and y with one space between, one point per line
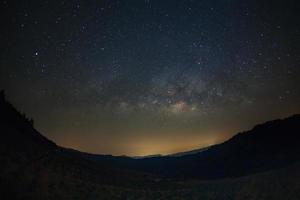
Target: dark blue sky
146 77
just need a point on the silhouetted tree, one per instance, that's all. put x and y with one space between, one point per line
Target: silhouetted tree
2 95
31 121
23 115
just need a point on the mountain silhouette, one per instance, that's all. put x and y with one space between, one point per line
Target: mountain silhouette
33 167
195 151
30 161
271 145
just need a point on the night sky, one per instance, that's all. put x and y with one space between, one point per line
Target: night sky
150 76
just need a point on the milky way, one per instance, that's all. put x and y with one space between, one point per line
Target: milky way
147 77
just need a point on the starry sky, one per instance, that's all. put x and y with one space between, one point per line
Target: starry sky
142 77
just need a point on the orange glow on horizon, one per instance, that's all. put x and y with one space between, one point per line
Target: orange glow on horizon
139 146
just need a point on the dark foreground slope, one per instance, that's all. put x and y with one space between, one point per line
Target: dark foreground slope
32 167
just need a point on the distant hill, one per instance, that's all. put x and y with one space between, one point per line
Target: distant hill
173 154
148 156
179 154
266 159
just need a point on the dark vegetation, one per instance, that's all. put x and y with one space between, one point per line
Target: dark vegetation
262 163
